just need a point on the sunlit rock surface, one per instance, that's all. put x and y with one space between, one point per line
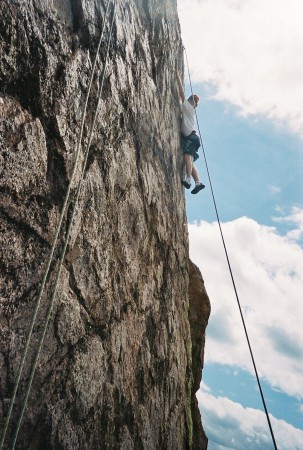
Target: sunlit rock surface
116 367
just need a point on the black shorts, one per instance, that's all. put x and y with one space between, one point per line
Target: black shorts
190 145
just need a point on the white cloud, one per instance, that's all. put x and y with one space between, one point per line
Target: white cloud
296 217
250 50
274 189
231 426
267 269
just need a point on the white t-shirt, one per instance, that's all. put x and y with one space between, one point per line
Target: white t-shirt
188 118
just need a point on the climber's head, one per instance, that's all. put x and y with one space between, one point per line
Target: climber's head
194 100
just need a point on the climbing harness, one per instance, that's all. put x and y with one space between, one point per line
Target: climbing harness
230 269
59 226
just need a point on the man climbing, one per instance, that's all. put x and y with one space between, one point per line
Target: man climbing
190 141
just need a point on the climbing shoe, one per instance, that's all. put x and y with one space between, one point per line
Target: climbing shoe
198 188
186 183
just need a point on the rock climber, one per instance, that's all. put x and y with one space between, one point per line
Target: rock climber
190 141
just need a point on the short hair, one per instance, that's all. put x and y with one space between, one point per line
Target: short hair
194 97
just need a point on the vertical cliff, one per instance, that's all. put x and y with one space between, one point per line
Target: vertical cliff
116 368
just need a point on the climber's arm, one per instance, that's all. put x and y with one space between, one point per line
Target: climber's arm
180 88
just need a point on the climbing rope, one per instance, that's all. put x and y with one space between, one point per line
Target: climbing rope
52 301
230 269
59 226
53 297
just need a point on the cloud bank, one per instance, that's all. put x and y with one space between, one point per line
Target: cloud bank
267 269
230 426
250 51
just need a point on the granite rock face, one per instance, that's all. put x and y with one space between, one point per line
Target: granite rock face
116 367
199 311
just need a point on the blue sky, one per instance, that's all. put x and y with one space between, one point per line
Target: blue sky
246 70
248 156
